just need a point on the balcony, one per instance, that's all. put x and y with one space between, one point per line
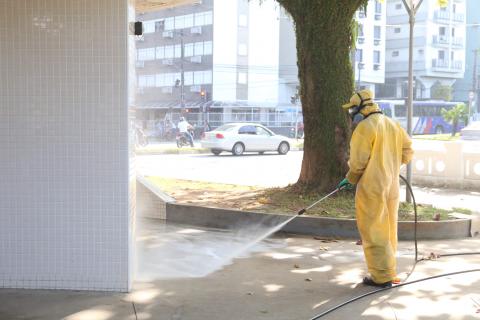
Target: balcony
458 17
446 66
441 40
457 42
442 16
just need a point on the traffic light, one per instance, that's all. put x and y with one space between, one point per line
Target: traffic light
203 95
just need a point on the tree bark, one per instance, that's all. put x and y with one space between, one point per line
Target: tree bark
324 36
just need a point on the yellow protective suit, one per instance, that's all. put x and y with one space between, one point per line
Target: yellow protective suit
379 146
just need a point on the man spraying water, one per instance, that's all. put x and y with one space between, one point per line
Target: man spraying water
378 147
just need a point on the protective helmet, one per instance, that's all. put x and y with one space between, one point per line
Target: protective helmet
358 101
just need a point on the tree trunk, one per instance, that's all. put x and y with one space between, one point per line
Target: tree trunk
454 129
324 37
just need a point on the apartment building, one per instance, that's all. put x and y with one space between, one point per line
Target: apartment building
438 47
468 88
369 66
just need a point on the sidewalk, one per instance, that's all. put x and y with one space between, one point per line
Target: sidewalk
446 198
287 278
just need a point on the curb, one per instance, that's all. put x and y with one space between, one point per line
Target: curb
304 225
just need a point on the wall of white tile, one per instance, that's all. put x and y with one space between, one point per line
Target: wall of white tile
66 200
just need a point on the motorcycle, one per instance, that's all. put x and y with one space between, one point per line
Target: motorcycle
182 140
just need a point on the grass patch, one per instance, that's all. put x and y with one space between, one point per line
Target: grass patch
281 200
438 137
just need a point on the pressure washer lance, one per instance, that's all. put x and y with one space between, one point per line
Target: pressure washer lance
302 211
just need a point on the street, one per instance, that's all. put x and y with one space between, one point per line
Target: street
267 170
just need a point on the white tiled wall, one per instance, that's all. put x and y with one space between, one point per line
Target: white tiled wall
65 208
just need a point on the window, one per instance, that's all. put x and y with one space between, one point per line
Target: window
441 55
150 81
159 25
420 52
441 31
242 78
452 55
203 18
149 26
376 57
160 53
170 23
398 6
242 49
170 79
247 130
453 32
395 53
400 110
207 48
242 20
189 50
178 51
202 77
397 30
377 32
359 55
198 49
180 22
169 52
142 81
378 7
188 78
262 132
141 55
159 80
189 20
360 30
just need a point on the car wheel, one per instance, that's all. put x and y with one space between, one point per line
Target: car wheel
238 149
439 130
283 148
216 152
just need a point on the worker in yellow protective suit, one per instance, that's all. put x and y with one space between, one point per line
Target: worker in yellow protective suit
379 146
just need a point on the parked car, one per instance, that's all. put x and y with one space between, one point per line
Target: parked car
238 138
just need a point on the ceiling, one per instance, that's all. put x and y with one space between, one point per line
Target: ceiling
152 5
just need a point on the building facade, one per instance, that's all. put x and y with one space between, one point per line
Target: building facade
438 48
369 67
468 89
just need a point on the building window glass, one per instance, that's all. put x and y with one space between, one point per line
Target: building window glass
398 6
207 48
169 23
395 53
359 55
159 80
397 30
189 50
169 52
179 22
178 51
150 81
441 55
198 49
188 78
360 30
142 81
378 7
203 18
377 32
376 57
160 52
189 20
149 26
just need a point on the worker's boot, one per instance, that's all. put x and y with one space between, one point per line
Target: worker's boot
369 282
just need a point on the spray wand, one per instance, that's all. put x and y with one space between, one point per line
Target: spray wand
302 211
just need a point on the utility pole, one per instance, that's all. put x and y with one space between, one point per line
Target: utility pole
474 103
182 74
412 8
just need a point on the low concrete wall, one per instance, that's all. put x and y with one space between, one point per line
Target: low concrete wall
318 226
150 202
455 165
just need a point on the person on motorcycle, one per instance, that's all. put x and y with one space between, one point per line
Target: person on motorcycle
184 127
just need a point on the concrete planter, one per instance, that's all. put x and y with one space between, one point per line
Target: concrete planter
318 226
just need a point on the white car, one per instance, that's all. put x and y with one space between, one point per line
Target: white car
238 138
